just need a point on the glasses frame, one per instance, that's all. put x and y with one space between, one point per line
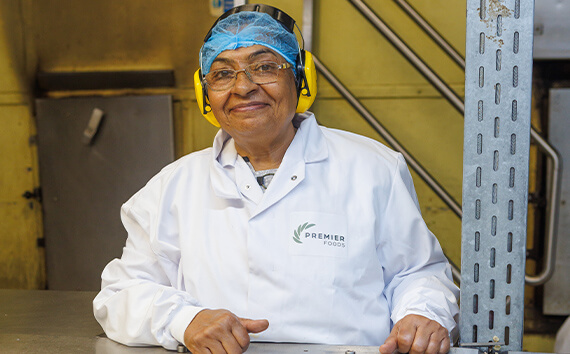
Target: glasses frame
245 70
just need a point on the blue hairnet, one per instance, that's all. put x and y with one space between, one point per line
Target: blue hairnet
244 29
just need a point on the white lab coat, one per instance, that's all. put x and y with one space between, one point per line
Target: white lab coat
334 252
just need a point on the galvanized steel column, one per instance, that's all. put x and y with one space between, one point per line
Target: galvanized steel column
498 82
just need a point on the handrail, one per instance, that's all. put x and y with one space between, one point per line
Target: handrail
552 222
432 32
459 105
379 128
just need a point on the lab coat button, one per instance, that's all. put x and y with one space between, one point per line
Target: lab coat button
293 178
247 186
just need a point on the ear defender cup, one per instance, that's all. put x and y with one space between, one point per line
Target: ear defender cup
202 99
307 87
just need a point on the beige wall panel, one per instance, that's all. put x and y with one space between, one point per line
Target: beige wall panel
538 343
202 131
350 46
427 128
196 133
445 225
16 152
12 50
447 17
21 261
84 35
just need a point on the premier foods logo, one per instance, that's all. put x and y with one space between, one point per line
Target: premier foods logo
328 239
300 229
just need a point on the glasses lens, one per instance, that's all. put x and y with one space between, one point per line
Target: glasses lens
220 79
264 72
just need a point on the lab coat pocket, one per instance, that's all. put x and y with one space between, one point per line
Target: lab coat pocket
317 235
317 245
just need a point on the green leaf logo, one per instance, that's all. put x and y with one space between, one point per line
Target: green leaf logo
297 237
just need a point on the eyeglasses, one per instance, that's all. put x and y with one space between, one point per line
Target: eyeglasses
261 73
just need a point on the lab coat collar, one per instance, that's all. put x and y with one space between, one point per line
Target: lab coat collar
224 149
222 173
314 144
308 146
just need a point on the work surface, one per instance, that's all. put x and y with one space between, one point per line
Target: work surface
62 322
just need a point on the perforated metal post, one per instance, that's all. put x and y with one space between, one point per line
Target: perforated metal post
495 172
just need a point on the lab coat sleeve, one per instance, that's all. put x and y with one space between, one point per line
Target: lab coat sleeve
139 303
417 275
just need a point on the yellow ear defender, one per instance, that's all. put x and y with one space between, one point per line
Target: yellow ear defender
306 73
202 99
307 87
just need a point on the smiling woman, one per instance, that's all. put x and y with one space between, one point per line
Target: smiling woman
258 116
331 249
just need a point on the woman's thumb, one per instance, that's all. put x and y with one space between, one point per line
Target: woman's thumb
254 326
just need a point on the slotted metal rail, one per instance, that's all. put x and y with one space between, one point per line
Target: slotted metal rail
498 85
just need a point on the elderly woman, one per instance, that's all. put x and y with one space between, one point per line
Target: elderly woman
284 230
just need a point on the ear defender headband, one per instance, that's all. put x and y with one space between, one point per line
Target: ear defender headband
306 78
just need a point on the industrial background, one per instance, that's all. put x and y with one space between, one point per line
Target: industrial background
76 55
